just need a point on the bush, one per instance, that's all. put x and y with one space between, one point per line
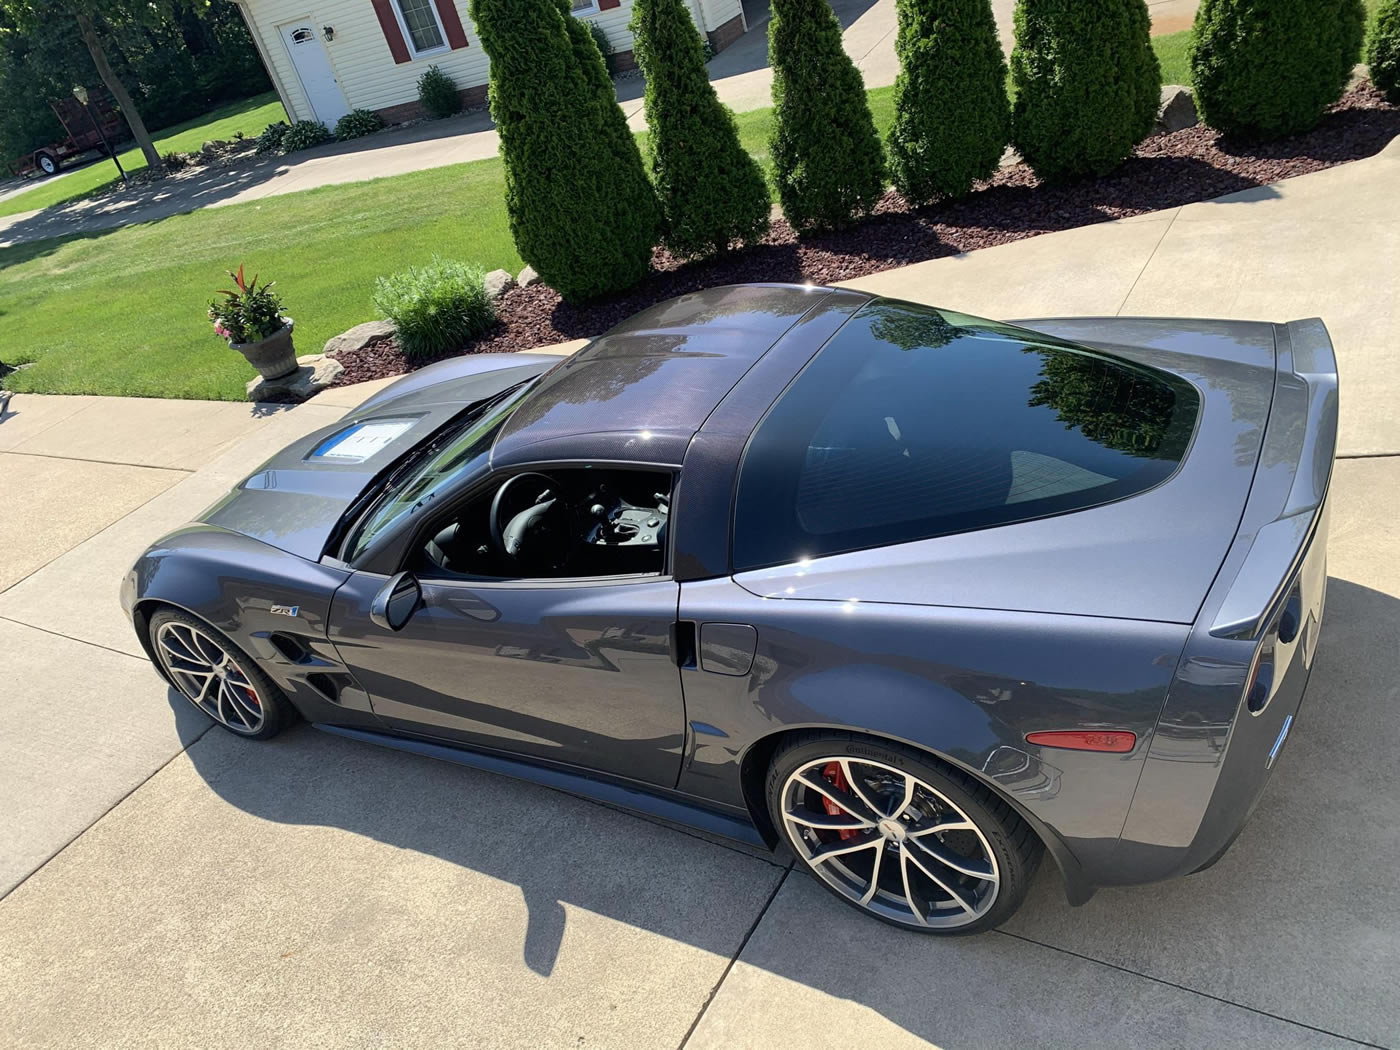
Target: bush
1383 51
356 123
438 94
582 212
435 308
270 141
711 191
303 135
952 119
827 158
174 161
605 48
1087 84
1268 68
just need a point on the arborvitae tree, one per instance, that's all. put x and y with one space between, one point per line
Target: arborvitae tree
827 159
1383 52
1087 84
1267 68
712 192
581 209
952 119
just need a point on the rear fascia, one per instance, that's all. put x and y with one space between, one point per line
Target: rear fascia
1210 756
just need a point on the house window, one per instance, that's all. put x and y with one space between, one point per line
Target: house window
421 25
584 7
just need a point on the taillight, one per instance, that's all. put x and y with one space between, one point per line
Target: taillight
1117 741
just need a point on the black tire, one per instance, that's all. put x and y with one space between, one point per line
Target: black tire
39 159
1002 843
168 626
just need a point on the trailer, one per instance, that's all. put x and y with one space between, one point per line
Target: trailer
80 123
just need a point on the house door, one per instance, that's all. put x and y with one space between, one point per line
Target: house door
314 71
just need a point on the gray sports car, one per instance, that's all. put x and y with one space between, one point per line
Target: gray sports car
917 595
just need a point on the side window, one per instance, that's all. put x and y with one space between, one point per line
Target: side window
913 423
555 523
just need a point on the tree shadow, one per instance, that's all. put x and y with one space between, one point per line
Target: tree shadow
1247 907
750 51
202 187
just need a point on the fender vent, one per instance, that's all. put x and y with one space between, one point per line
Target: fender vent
326 685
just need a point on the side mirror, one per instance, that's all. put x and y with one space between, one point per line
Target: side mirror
396 602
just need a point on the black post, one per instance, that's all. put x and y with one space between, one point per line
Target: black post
105 144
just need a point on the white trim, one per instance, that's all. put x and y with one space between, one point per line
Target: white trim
414 53
586 12
266 59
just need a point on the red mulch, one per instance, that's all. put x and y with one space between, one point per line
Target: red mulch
1164 172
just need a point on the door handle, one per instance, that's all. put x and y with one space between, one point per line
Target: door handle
683 643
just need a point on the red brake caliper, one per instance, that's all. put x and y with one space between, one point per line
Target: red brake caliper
832 772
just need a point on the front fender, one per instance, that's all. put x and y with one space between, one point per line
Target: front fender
272 604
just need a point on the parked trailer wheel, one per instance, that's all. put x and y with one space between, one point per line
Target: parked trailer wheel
46 162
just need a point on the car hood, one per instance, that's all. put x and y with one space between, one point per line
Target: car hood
295 500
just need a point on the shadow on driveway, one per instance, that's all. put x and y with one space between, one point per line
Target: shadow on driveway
1278 925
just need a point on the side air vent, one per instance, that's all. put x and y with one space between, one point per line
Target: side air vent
290 648
326 685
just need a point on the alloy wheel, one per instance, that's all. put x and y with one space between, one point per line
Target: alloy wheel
209 677
889 842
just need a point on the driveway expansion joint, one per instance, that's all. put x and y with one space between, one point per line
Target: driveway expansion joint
69 637
1195 991
733 959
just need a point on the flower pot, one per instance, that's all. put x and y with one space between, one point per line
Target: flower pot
273 357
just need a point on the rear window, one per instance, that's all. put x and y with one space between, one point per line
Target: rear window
914 422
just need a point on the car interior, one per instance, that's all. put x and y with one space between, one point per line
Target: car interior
573 522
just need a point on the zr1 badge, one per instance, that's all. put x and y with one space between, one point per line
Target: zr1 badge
286 610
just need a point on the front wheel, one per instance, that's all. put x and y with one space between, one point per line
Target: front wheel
900 836
217 676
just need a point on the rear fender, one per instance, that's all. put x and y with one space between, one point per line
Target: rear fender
965 685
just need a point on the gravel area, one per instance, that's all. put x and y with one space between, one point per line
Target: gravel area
1166 171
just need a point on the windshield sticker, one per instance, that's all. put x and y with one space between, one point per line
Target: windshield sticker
362 441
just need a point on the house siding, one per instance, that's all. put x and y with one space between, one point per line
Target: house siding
371 79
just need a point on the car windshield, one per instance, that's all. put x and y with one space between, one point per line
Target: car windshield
454 453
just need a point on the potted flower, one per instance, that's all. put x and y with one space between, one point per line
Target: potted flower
250 318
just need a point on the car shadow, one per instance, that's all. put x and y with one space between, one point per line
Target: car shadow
1267 898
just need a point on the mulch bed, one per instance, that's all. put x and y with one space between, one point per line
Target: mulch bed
1165 171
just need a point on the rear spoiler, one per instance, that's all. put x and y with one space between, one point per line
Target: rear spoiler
1290 483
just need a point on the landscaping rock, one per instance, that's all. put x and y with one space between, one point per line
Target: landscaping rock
358 336
528 277
1177 111
498 282
314 373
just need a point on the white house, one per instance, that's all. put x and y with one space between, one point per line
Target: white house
327 57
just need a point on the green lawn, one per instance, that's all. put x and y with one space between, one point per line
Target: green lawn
122 311
249 116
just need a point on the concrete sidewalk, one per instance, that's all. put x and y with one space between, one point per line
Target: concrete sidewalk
310 891
741 76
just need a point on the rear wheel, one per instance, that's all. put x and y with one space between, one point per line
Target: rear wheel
217 676
47 163
900 836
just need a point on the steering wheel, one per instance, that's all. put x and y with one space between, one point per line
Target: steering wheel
535 521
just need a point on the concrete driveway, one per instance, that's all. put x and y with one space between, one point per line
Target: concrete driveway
172 886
